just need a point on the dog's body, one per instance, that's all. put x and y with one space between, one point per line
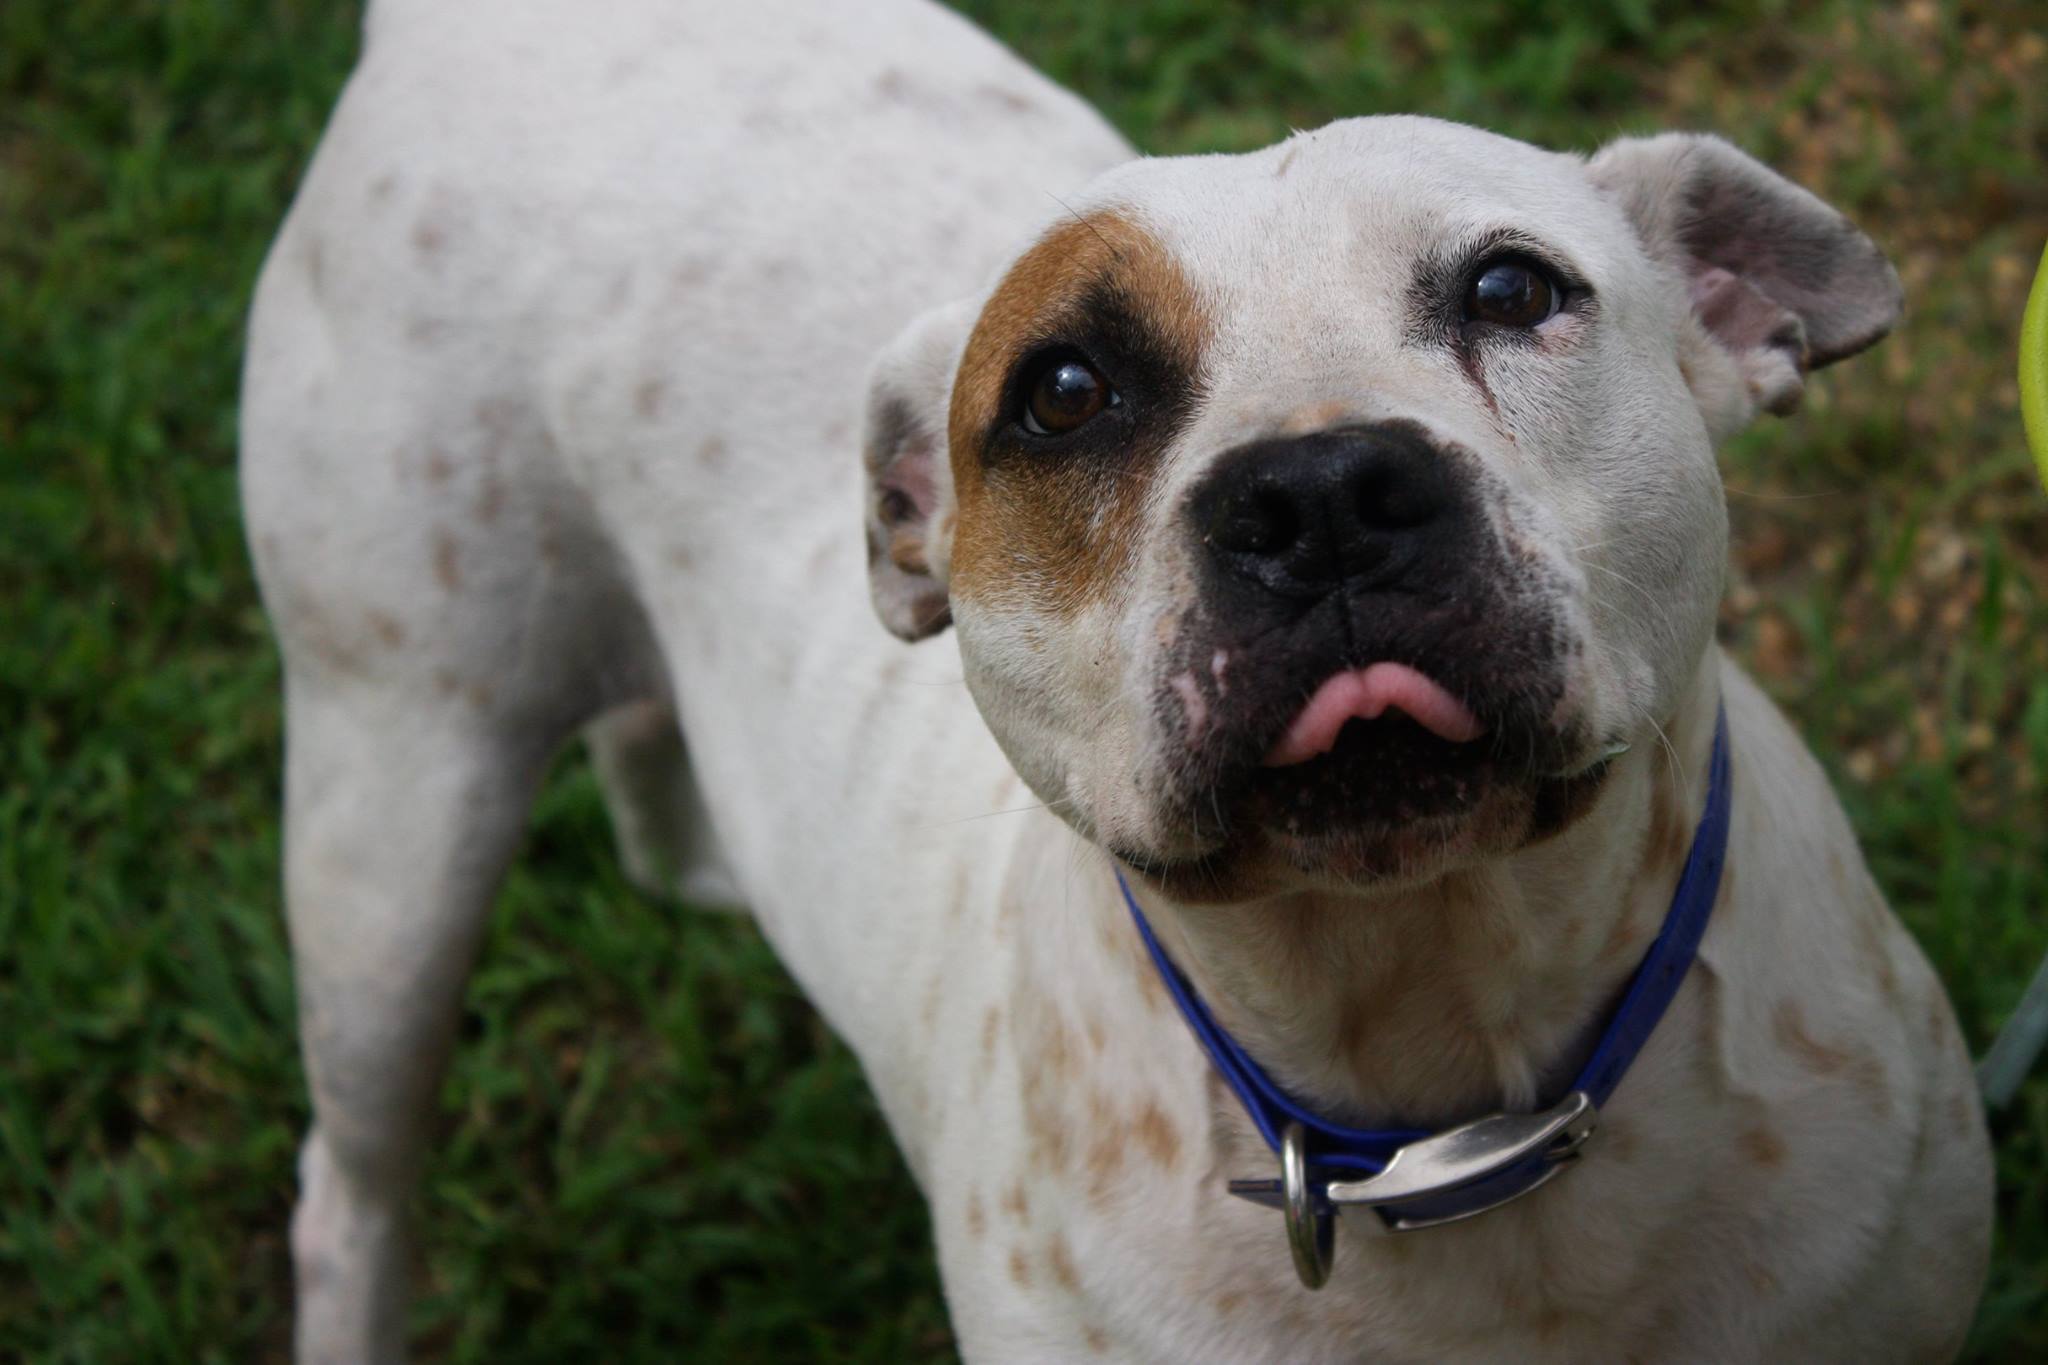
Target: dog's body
555 383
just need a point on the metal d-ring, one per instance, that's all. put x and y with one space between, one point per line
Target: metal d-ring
1311 1224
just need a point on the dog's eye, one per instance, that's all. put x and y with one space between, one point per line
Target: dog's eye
1064 391
1510 294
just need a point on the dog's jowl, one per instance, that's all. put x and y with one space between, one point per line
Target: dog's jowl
1330 540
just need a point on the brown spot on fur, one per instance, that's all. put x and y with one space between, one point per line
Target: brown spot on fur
1097 1339
388 628
990 1022
1056 1050
1617 1140
1229 1301
1062 1265
1286 162
1670 832
1156 1134
681 557
977 1219
438 467
1762 1280
1789 1024
1020 1269
1314 417
429 237
1855 1063
712 453
1016 1203
490 498
1009 99
1762 1147
447 564
647 398
1105 1159
1054 534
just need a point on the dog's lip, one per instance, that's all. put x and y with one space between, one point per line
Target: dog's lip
1367 694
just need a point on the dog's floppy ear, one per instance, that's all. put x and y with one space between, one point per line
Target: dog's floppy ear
1780 282
909 477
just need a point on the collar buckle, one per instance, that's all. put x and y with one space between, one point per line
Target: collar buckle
1442 1178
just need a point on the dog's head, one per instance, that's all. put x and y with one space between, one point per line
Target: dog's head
1331 514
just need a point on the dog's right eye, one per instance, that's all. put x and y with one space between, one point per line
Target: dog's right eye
1063 391
1511 293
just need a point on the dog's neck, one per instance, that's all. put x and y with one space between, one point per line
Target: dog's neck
1480 991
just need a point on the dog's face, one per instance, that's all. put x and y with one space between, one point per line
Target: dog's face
1330 515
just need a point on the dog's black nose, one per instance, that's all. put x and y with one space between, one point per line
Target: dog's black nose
1300 515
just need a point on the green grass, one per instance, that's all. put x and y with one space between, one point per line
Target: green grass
650 1148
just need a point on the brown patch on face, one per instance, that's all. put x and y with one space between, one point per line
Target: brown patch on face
1016 1203
1315 417
1020 1269
1097 1339
438 468
447 565
1228 1302
1062 1265
1052 522
977 1218
1762 1147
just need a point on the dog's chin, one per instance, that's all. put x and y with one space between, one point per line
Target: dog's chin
1391 805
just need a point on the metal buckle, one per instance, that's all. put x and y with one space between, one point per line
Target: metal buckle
1425 1169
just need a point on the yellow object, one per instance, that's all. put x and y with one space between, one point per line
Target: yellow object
2034 368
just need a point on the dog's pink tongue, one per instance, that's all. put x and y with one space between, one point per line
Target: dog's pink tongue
1365 694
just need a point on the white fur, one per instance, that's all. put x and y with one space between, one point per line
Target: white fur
553 396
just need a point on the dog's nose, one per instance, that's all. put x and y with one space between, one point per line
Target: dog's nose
1297 516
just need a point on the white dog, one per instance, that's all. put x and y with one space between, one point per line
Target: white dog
1331 538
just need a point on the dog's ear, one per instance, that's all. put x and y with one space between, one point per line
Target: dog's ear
909 477
1780 282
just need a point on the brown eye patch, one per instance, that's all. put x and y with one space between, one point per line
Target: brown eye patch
1052 462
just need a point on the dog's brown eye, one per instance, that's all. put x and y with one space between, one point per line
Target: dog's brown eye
1510 294
1066 392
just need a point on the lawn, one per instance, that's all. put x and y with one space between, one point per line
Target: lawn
650 1147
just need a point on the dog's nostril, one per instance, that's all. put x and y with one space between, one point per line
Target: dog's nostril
1259 521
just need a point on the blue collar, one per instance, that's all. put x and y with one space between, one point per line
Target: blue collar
1414 1178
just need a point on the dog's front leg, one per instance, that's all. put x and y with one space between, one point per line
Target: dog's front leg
398 827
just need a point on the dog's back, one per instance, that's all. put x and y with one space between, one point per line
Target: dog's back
565 339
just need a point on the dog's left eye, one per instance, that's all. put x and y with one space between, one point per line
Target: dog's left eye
1511 294
1062 392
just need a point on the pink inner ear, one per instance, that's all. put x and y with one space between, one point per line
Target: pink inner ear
909 478
1742 318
